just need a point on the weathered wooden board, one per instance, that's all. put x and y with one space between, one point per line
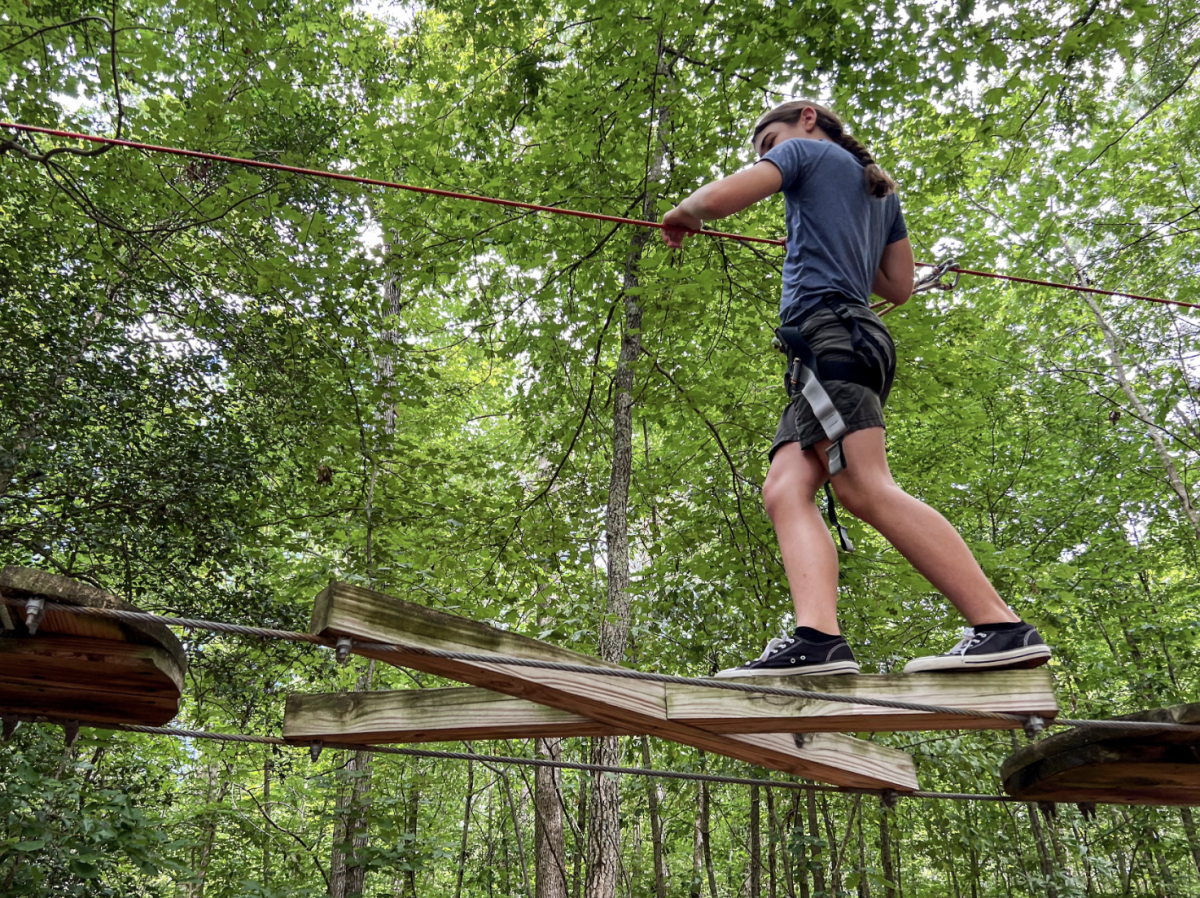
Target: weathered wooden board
86 668
437 715
721 711
343 610
430 715
1094 765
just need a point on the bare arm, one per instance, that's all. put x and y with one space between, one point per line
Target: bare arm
719 199
894 279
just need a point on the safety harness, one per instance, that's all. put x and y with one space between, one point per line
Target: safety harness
872 368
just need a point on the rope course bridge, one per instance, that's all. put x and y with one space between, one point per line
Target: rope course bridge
525 688
930 281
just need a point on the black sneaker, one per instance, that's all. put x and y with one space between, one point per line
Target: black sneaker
793 655
990 650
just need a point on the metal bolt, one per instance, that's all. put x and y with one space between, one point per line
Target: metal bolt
1034 725
344 645
35 610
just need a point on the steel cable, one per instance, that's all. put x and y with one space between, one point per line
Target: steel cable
616 672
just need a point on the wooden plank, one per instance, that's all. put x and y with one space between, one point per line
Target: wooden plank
1130 767
430 715
25 583
343 610
100 681
722 711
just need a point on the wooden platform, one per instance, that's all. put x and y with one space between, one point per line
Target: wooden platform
755 728
1094 765
85 668
627 705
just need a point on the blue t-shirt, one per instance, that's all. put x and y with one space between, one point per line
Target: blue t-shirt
836 231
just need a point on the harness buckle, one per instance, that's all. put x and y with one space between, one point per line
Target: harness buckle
837 459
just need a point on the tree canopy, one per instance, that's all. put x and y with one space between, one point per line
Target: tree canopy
221 388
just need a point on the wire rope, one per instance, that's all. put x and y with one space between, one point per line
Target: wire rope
1024 720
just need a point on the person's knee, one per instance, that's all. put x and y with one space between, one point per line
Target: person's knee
859 496
786 485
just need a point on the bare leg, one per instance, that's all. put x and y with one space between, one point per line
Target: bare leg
920 534
809 556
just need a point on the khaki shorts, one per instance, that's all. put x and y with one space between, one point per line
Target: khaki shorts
860 407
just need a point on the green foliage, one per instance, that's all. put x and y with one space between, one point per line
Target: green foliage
219 388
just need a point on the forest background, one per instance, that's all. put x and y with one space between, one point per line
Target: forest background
222 389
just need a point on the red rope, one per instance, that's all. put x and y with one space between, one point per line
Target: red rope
514 204
1075 287
338 176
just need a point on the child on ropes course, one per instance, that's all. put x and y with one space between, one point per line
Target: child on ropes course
846 239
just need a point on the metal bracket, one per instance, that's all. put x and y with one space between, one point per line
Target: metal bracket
314 749
344 645
889 798
933 280
1033 726
35 610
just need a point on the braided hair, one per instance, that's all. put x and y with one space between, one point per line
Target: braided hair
877 181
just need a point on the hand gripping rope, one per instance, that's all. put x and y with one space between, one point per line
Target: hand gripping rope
554 210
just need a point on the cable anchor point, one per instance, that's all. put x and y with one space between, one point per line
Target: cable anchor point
933 280
344 646
314 750
1033 726
35 611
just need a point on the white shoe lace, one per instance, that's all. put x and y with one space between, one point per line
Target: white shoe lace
775 645
969 640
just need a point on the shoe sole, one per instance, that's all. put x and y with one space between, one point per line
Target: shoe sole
834 668
1016 659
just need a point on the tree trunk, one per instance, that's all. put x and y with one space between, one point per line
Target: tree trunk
864 883
550 849
1189 827
466 827
706 835
656 829
346 874
1152 430
266 844
835 850
1043 850
195 889
814 833
755 878
604 820
885 853
772 839
581 826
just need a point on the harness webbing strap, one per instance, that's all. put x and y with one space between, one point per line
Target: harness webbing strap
831 513
804 375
